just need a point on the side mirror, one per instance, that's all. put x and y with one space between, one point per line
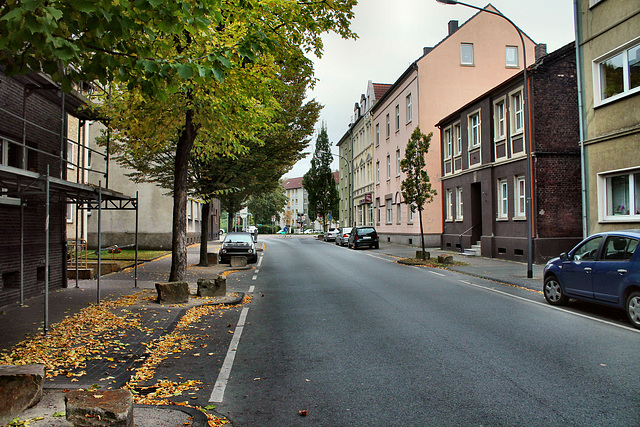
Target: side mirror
564 256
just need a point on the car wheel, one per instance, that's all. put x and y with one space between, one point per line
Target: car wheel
633 308
377 246
553 291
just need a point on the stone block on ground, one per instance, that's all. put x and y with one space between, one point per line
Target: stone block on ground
212 287
83 273
445 259
99 407
212 258
423 255
20 388
172 292
238 261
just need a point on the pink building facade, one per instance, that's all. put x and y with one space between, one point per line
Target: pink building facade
473 58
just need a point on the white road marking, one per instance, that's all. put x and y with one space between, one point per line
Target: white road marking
437 274
260 260
225 372
251 289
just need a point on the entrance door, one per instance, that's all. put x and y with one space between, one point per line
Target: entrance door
476 212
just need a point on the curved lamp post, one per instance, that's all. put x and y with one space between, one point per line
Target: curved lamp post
525 138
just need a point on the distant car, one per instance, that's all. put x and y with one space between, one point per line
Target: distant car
363 236
603 269
238 244
281 232
330 234
342 238
309 231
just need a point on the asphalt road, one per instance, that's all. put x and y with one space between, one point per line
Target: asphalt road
353 338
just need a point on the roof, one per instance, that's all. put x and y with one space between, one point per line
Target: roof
292 183
379 89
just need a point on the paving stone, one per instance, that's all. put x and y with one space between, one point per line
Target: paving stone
20 388
99 408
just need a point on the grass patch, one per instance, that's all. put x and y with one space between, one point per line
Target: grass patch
433 262
124 255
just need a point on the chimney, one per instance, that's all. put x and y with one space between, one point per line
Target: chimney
541 50
426 50
453 27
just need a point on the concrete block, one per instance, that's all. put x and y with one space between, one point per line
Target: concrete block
212 288
99 407
83 273
212 258
20 388
238 261
172 292
423 255
445 259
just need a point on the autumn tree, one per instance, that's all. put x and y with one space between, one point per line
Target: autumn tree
188 72
320 183
416 187
267 205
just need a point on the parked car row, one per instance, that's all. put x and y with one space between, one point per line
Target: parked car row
354 237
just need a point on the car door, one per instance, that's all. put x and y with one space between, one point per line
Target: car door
611 271
577 277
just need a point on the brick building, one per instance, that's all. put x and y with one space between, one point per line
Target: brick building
34 159
484 165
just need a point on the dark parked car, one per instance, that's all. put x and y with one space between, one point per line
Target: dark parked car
238 244
363 236
342 238
604 269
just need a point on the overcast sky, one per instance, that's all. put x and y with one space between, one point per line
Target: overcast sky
391 35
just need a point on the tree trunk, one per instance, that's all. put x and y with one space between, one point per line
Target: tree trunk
421 230
204 234
179 228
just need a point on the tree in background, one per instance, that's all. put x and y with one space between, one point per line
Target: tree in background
416 187
267 205
320 183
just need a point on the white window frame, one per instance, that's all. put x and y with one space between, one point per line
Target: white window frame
4 152
516 112
500 120
464 60
397 117
69 215
389 209
398 162
622 51
4 161
388 126
474 129
512 57
399 213
410 214
448 143
503 199
388 167
409 112
449 205
605 201
520 197
378 172
377 134
459 204
457 139
71 154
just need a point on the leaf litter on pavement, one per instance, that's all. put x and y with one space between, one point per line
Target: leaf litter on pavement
97 330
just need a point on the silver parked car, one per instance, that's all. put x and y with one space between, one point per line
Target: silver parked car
330 234
342 238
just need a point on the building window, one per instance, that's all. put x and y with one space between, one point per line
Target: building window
377 133
474 130
388 168
389 211
71 158
457 134
459 215
466 54
449 204
378 172
499 121
503 212
397 118
447 143
410 213
621 196
409 108
511 54
388 126
370 213
618 74
398 162
516 112
520 198
399 214
360 215
69 213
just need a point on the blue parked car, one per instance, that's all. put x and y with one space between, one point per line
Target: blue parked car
604 269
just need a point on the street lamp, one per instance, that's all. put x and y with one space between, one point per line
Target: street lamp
350 167
526 129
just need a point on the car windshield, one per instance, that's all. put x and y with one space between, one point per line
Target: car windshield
365 231
238 238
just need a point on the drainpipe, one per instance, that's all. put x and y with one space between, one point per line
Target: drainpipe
579 70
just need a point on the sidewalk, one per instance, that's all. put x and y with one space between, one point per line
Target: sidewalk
504 271
115 367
